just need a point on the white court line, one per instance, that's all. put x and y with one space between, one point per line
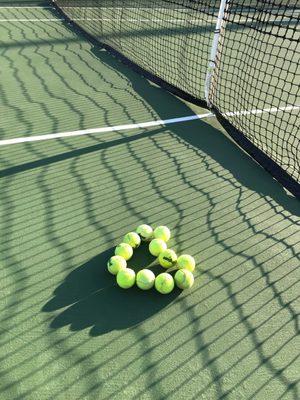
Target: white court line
140 20
33 20
142 125
175 20
263 111
100 20
129 20
21 7
182 9
117 20
123 8
105 129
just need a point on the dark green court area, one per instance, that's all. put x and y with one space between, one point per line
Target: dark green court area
67 332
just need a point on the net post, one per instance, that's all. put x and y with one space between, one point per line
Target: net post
213 52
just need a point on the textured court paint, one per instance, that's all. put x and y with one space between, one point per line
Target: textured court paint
67 332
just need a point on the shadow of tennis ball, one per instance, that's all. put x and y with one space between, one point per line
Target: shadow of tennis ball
90 298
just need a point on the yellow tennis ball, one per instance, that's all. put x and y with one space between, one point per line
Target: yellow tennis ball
156 246
115 264
145 279
162 232
126 278
186 262
145 232
133 239
124 250
184 279
164 283
167 258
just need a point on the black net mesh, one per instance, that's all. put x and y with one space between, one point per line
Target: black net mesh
257 79
170 39
255 86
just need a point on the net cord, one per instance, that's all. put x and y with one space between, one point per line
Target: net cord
213 52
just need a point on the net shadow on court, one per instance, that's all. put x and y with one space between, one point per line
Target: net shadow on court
66 203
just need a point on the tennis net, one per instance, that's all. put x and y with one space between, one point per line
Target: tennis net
254 85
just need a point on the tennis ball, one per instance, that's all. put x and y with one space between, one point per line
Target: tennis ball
124 250
126 278
164 283
156 246
145 232
162 232
186 262
115 264
133 239
184 279
167 258
145 279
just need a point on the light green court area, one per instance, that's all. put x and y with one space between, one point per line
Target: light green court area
67 331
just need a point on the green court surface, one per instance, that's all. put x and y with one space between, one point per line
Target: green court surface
67 331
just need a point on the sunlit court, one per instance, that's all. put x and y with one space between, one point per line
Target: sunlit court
149 200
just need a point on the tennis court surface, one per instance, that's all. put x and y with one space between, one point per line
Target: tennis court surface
89 150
